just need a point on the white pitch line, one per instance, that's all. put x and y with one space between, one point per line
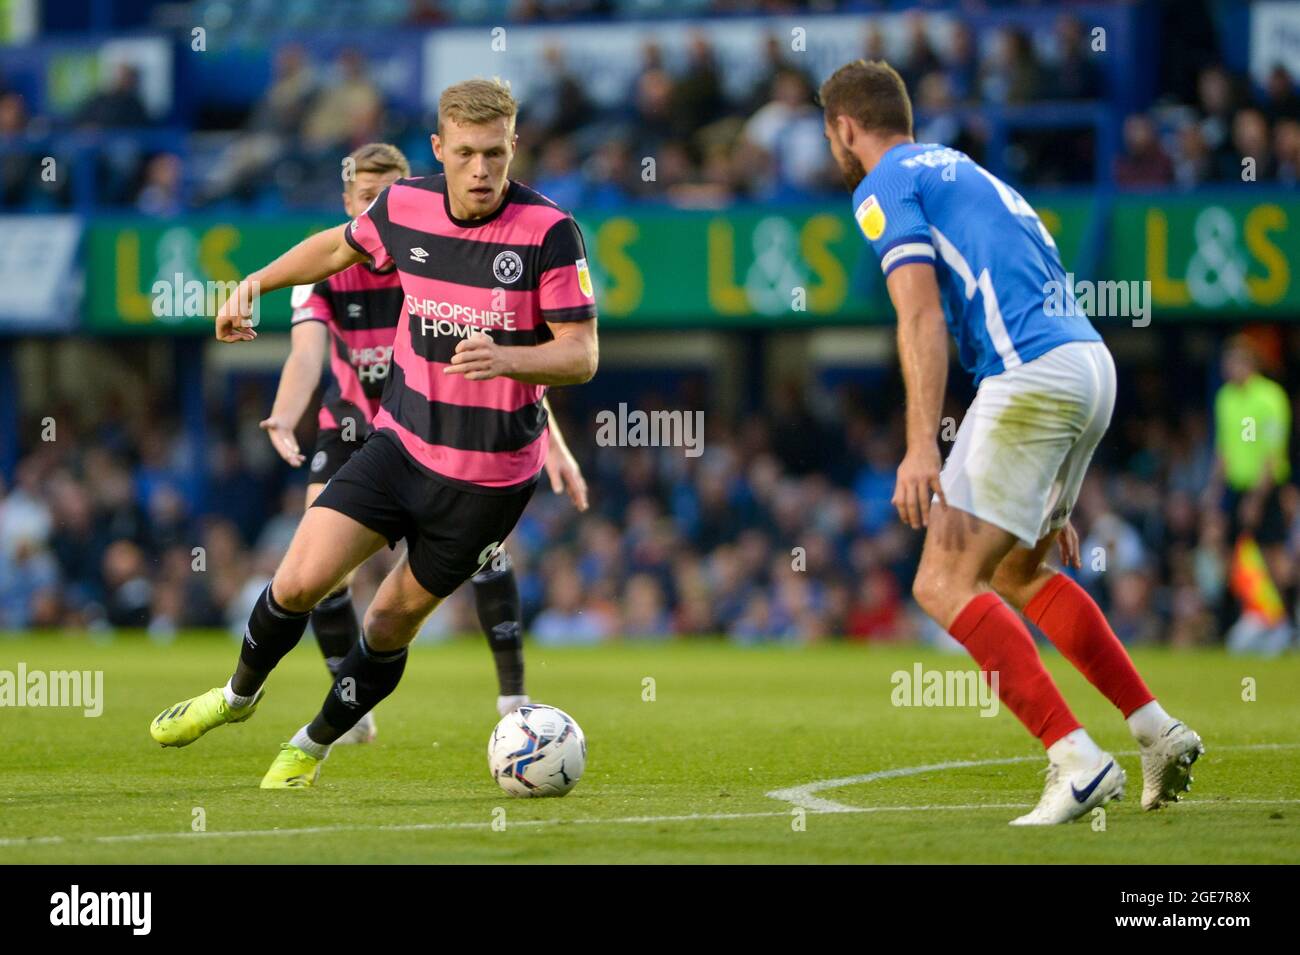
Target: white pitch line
800 796
447 826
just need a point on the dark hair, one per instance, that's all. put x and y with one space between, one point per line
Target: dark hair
871 92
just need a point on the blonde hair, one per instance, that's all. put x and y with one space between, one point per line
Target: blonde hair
477 101
378 158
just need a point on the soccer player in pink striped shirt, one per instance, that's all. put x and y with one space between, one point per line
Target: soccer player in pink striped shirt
351 318
497 306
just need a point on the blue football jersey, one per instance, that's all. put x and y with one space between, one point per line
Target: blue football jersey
993 257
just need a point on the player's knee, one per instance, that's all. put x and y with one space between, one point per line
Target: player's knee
390 628
928 590
296 592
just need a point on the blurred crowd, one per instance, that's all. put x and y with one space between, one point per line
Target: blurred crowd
1228 135
711 144
782 531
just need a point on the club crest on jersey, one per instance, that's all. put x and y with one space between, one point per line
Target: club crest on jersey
584 278
507 267
871 218
318 461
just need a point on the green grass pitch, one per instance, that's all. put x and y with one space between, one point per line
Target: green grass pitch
684 777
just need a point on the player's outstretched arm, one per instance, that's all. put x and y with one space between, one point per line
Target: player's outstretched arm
315 258
569 359
923 354
562 467
298 382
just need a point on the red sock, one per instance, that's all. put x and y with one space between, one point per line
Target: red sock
993 634
1073 621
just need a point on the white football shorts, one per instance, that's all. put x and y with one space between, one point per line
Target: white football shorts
1027 438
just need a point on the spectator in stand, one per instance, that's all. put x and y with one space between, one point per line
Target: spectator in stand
877 612
1143 163
776 61
645 614
788 130
19 171
962 66
118 105
160 194
128 589
1251 158
921 59
1193 160
1216 103
653 125
27 572
273 125
697 97
1286 150
1012 76
558 176
1073 74
566 620
350 101
1281 101
558 104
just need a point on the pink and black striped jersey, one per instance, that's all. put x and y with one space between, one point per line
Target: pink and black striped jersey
507 274
361 309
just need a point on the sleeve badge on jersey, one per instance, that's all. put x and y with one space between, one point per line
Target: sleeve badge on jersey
871 218
584 278
298 297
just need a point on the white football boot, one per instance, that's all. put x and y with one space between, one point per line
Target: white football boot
1167 764
1070 794
508 704
364 732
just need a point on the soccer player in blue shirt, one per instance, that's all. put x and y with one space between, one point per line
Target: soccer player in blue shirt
961 249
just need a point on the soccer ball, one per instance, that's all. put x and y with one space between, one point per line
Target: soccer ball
537 750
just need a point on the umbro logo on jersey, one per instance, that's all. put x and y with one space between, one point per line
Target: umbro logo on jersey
419 255
354 310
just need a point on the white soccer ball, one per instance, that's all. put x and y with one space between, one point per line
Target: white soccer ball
537 750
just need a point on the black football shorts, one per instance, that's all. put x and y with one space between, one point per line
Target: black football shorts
332 452
450 532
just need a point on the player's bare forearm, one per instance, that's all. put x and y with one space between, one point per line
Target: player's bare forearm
302 371
570 359
923 353
922 349
315 258
297 382
553 426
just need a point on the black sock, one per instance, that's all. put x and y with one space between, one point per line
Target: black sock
364 678
271 633
334 621
496 594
